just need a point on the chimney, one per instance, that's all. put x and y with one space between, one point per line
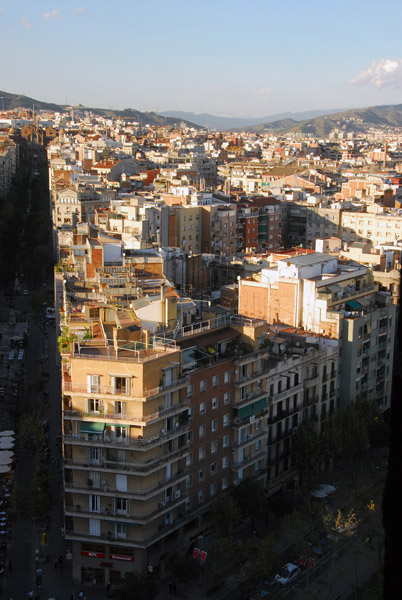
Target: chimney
163 290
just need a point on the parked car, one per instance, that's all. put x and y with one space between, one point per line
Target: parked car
288 573
323 490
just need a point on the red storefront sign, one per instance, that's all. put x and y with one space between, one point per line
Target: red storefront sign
121 557
203 556
196 552
93 554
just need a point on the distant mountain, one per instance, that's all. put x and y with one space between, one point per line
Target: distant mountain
355 120
225 123
12 101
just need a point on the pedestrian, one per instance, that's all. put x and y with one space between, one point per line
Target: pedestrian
30 594
81 595
10 565
60 561
107 589
170 586
55 562
72 596
174 588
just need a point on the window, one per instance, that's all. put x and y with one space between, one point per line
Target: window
202 408
94 456
226 377
214 425
94 503
225 441
95 405
225 462
201 452
120 385
94 527
122 506
202 431
189 459
189 481
190 390
215 380
257 445
226 420
226 398
212 489
214 403
121 530
93 384
203 385
121 483
214 446
214 468
201 474
201 495
225 483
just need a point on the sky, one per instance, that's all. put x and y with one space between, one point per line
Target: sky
224 57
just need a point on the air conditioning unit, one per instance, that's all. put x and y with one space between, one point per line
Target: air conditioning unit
161 504
177 494
249 437
249 395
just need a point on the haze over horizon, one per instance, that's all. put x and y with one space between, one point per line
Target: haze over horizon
221 59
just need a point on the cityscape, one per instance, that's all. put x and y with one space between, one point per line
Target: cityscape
200 264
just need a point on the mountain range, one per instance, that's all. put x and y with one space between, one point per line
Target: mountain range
354 120
317 123
227 123
11 101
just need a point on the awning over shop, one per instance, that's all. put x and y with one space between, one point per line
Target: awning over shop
89 427
353 305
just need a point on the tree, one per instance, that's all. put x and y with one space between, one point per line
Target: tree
185 568
249 497
224 516
138 586
32 431
261 557
306 454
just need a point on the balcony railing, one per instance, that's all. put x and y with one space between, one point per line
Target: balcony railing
101 416
106 390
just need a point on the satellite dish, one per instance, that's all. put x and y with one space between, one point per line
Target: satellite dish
103 482
282 347
297 344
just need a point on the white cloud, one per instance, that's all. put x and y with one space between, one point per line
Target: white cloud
26 23
264 92
80 9
49 16
385 72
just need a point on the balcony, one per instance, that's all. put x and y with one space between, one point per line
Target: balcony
251 438
109 515
116 418
139 443
249 460
135 542
96 391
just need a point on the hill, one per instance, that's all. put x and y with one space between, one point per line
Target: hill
12 101
355 120
229 123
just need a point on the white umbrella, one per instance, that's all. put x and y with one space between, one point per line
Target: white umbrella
6 445
5 468
7 432
6 453
6 439
5 460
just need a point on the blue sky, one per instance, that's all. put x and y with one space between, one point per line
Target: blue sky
225 57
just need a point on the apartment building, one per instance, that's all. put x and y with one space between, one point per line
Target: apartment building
323 295
8 166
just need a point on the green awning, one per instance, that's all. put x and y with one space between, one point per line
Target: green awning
116 425
252 409
353 305
89 427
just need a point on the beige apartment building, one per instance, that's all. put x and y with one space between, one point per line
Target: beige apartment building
338 300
